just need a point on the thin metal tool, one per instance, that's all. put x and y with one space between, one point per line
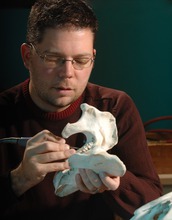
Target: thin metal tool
21 141
15 140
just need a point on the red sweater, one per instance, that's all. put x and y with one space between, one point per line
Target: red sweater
20 117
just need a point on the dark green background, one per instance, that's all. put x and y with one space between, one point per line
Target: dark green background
134 51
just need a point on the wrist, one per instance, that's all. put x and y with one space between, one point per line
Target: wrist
18 182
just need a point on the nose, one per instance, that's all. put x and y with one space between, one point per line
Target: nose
66 70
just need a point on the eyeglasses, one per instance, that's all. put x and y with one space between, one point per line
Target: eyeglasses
52 61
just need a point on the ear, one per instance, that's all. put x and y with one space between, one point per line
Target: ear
26 54
94 52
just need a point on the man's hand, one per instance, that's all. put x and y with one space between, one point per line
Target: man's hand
44 153
90 182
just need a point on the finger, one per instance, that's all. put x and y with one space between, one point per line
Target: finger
46 147
45 135
112 183
81 186
83 182
58 166
54 156
101 189
96 181
43 169
94 178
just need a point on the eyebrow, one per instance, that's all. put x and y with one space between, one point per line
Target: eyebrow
62 55
58 54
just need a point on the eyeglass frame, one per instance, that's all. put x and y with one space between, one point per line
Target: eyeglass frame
63 60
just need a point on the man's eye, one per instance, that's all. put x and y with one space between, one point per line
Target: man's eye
82 61
53 59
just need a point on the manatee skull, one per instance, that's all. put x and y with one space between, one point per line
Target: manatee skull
100 130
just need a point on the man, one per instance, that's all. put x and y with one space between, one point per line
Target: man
59 54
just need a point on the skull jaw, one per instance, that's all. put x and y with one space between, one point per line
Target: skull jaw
103 162
64 182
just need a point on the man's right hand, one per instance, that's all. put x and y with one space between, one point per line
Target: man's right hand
44 153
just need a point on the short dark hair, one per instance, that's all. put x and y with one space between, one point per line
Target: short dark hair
59 14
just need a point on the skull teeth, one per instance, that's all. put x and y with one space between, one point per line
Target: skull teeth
86 148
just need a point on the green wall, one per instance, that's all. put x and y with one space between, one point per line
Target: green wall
134 51
13 30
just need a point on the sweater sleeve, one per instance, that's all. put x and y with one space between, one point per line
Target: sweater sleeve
141 183
7 195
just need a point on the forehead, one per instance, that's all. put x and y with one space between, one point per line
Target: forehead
68 41
68 35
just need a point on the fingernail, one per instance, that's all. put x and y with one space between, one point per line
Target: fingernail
72 151
66 147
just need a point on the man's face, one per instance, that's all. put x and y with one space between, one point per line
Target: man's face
55 87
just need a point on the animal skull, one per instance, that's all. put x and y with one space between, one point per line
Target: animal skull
160 209
101 135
